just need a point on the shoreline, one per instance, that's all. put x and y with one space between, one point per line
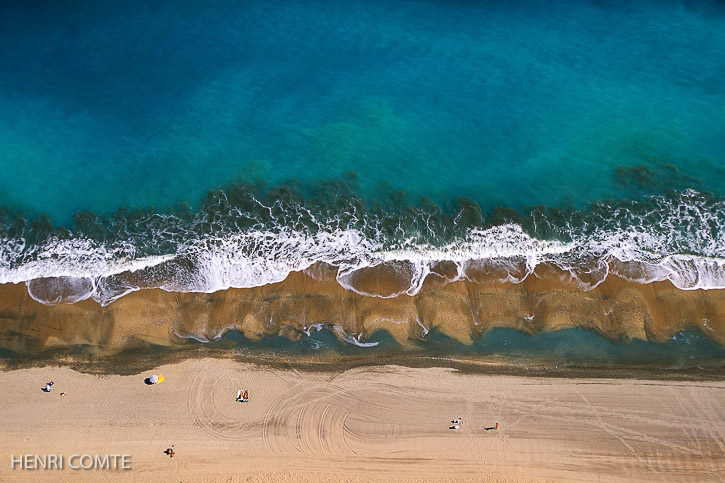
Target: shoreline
134 364
369 423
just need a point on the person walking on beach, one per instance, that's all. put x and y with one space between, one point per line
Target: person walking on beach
170 451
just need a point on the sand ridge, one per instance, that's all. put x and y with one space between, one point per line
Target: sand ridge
462 310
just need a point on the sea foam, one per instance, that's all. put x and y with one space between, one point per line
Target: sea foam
680 239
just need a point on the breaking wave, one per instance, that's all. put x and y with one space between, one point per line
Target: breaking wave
243 238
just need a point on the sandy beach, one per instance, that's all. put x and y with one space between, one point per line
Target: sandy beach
367 423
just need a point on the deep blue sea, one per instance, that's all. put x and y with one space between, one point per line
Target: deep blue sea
134 104
208 145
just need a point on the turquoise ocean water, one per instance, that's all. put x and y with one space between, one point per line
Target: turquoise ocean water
197 146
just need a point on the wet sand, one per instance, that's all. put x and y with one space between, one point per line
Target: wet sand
463 310
371 423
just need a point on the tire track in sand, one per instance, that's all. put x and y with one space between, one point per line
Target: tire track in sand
308 419
212 407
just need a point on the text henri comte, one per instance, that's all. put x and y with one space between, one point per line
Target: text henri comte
74 462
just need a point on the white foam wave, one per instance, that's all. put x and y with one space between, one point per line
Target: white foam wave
318 326
207 336
633 247
500 244
54 291
425 329
76 257
352 339
692 273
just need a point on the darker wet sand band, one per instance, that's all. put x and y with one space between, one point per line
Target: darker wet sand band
464 310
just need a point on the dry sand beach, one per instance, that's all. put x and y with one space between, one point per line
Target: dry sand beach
367 423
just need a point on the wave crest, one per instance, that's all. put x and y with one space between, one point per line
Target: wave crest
242 241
